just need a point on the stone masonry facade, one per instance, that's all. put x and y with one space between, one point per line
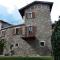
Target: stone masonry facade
39 44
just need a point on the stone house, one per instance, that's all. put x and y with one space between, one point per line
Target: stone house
34 36
4 24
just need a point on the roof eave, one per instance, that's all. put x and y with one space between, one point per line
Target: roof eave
44 2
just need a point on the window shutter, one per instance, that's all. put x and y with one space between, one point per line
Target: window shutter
20 31
23 30
14 31
33 14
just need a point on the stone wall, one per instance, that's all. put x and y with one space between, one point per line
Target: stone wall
26 47
43 22
31 46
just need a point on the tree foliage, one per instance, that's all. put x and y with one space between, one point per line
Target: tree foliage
2 45
55 40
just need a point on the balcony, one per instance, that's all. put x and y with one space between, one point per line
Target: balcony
29 31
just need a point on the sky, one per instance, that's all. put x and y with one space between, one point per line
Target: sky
9 10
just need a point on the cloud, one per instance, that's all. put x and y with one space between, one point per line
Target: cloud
8 4
9 13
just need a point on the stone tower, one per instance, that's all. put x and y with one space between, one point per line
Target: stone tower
37 14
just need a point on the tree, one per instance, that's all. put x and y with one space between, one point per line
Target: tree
2 45
55 40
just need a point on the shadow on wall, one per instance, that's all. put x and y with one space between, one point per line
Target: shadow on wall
35 44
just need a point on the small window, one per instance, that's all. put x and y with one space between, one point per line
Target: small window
18 31
42 43
30 29
16 44
3 32
30 15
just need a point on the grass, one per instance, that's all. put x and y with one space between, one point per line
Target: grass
26 58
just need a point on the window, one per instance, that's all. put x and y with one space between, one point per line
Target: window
16 44
30 29
18 31
42 43
30 15
3 32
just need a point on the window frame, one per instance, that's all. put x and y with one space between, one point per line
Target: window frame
17 45
32 16
18 33
30 29
41 42
29 16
